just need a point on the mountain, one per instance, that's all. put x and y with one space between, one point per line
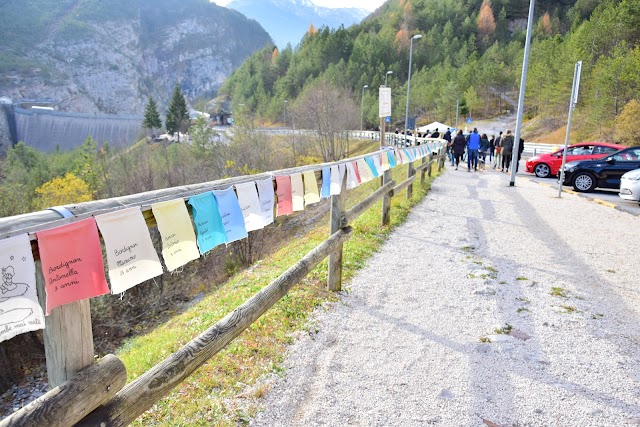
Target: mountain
288 20
95 56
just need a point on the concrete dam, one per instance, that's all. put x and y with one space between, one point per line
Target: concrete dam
46 129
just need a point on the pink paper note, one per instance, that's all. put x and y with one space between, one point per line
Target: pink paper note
285 197
72 263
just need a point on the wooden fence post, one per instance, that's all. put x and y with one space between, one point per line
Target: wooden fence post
431 157
386 200
334 279
423 171
439 160
410 173
68 338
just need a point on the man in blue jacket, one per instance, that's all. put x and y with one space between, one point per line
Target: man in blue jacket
472 150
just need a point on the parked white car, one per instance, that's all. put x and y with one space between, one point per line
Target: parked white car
630 185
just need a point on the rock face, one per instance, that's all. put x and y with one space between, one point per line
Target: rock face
92 57
298 15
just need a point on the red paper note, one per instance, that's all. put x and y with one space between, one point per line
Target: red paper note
72 263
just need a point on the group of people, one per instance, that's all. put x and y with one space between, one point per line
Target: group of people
476 148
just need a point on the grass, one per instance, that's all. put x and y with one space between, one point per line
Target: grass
559 292
521 309
569 309
521 278
224 391
505 330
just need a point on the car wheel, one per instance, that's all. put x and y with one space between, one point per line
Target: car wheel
584 182
542 170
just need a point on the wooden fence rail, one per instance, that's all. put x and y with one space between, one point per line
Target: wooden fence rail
113 405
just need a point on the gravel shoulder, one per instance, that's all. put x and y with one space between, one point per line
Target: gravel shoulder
415 341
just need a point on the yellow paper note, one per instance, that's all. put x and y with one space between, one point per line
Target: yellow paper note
311 193
297 192
178 238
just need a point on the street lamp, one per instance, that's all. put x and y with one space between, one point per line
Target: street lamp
386 76
406 114
284 114
362 108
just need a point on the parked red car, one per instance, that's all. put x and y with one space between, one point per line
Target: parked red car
545 165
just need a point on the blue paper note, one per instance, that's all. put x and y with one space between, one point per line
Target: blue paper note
326 183
231 214
209 228
392 159
372 166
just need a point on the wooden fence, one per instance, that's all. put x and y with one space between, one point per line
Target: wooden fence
86 393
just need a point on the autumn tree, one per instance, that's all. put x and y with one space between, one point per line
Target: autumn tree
544 26
486 22
151 116
330 111
627 127
63 191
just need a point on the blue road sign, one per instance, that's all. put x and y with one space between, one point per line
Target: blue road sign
469 120
387 119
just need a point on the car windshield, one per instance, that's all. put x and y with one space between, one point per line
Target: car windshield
627 155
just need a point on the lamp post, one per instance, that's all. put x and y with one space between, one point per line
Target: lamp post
362 108
406 114
386 77
284 114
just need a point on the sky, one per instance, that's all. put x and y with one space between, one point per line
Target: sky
369 5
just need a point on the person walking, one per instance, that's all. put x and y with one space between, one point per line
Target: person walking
458 147
507 151
520 150
497 160
447 137
472 150
492 148
484 150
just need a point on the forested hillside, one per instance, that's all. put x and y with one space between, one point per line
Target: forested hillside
471 50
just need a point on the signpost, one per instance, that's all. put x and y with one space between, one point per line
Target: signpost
384 111
577 73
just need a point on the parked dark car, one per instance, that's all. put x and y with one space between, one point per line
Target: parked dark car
606 172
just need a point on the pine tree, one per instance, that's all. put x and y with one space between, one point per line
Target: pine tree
177 115
151 116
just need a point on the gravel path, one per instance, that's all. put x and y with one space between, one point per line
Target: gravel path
414 341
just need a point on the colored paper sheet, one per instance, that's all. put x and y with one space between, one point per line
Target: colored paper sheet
297 192
250 206
384 161
283 192
377 164
399 157
178 238
365 171
267 197
391 159
311 194
357 172
206 217
131 257
372 167
20 311
231 214
326 182
336 181
72 264
352 177
342 170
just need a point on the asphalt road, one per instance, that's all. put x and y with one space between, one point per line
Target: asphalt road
599 195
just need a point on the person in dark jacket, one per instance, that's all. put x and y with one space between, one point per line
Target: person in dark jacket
435 134
447 137
458 145
507 151
484 149
492 147
520 150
